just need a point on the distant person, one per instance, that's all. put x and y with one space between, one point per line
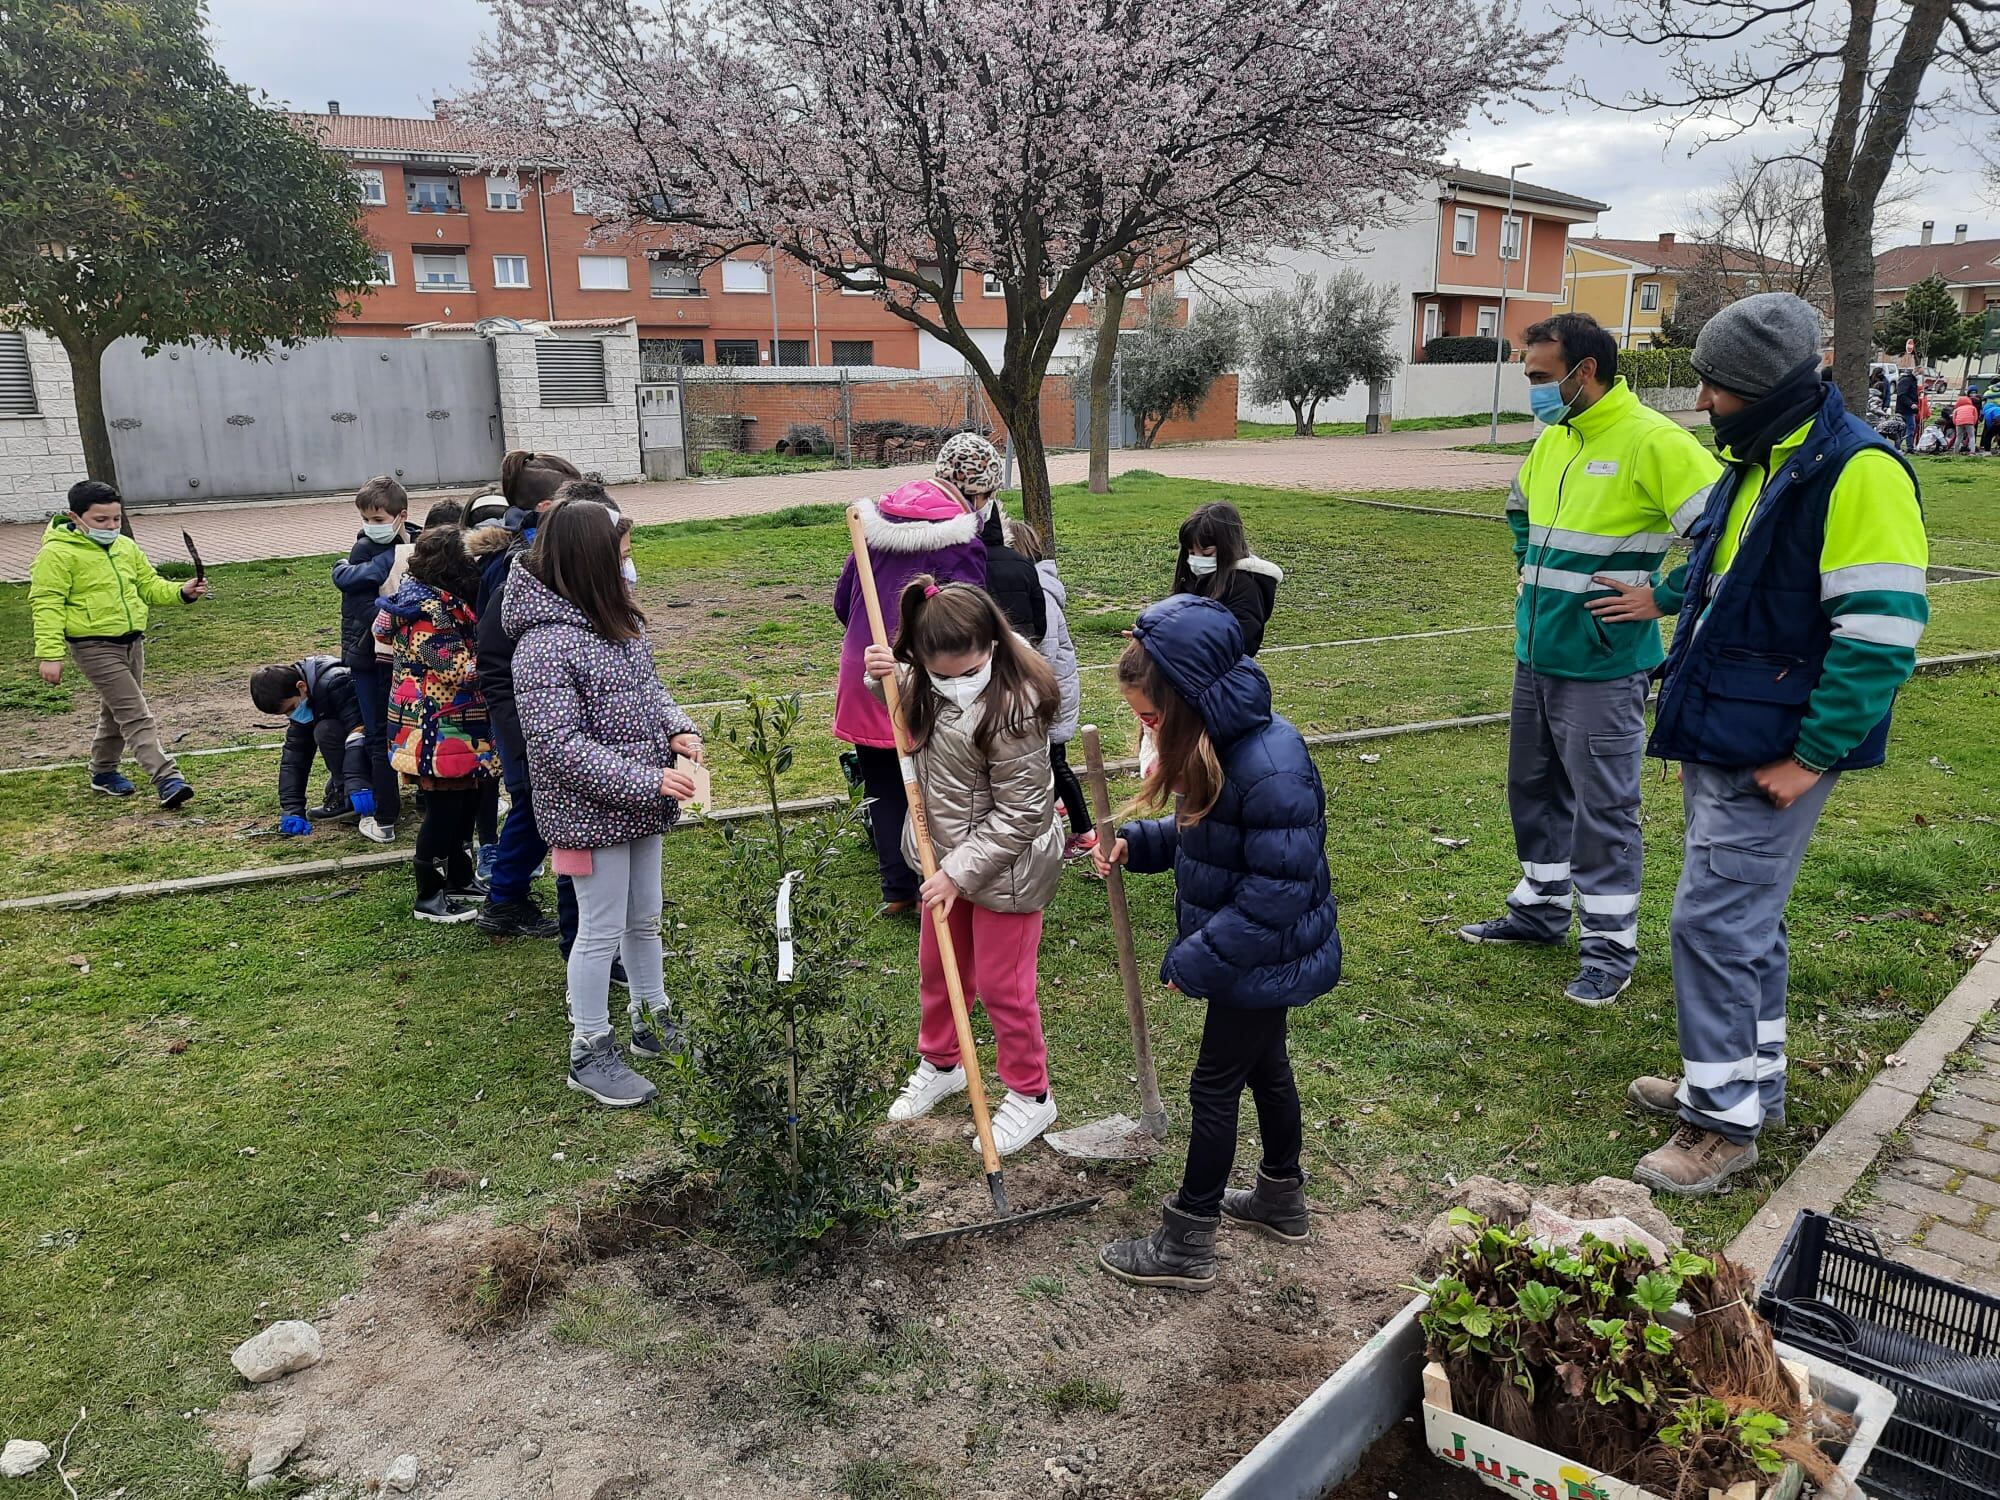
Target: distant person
315 697
1059 651
1965 422
1216 562
385 510
1609 486
1909 399
971 466
1937 435
90 590
1879 394
1989 413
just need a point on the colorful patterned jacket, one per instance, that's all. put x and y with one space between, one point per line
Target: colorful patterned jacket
437 717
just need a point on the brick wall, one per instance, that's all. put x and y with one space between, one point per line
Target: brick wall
597 439
41 456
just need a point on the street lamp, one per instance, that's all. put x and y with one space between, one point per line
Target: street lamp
1500 333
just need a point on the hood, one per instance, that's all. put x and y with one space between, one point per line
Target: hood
530 602
1199 645
1052 585
488 542
1262 567
62 527
411 600
312 669
924 500
888 532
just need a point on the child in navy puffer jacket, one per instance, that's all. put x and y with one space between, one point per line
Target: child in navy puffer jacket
1258 930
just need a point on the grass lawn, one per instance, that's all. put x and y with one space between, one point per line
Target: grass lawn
208 1102
1265 432
725 463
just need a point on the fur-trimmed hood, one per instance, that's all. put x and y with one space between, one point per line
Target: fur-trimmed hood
1255 564
891 533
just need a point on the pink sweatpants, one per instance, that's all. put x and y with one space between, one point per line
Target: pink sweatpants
996 964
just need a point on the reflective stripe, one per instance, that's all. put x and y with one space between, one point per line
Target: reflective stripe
1515 499
1624 937
1599 546
1748 1113
1771 1067
1709 1075
1526 895
1903 578
1771 1031
1691 511
1547 874
1610 906
1880 630
1714 583
1567 582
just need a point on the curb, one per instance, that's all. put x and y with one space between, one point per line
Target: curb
1832 1168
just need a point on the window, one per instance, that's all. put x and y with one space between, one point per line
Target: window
503 193
440 272
601 273
510 270
794 352
675 279
854 351
1430 321
744 276
1464 232
1649 296
868 282
430 195
1510 238
736 351
657 357
370 180
570 372
17 378
385 269
935 273
597 205
989 286
1489 322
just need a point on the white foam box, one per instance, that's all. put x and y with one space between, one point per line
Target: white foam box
1507 1463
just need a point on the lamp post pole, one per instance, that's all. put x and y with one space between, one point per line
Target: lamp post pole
1500 333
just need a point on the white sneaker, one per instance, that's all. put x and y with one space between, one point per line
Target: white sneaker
374 832
1018 1120
927 1089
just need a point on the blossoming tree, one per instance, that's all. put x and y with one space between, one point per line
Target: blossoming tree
892 145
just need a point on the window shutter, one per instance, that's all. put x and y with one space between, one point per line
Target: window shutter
17 381
571 372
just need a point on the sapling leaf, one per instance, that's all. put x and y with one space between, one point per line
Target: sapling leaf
1656 1292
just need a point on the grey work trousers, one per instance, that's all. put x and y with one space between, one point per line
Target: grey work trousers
1731 958
1575 753
117 669
618 914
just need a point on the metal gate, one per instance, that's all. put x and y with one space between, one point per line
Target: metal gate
200 423
1124 421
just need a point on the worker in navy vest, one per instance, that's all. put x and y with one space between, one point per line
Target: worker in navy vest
1801 607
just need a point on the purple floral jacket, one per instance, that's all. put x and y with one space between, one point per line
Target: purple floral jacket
596 720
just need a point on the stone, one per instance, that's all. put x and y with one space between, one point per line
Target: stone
401 1475
20 1458
273 1443
1622 1198
279 1350
263 1482
530 1450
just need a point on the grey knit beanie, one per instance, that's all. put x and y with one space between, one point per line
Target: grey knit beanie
1750 347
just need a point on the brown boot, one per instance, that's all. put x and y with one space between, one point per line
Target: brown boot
1695 1162
1655 1095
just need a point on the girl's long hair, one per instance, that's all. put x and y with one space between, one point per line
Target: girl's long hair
1187 766
938 620
575 552
439 559
1219 525
527 479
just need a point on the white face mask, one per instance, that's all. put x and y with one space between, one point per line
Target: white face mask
628 572
1201 566
380 531
963 692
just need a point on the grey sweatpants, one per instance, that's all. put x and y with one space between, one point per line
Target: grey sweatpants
618 912
1575 752
1730 952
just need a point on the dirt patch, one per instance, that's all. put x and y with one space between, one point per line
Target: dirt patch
997 1366
1399 1466
192 715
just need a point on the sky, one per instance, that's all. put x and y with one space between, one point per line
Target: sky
393 57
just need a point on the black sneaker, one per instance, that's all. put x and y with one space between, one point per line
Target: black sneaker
521 919
333 809
1507 929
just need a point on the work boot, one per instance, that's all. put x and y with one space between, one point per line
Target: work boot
1276 1206
1180 1253
596 1069
521 918
1596 987
1695 1162
462 879
1507 929
1661 1096
434 903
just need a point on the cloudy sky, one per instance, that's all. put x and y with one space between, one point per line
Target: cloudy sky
392 57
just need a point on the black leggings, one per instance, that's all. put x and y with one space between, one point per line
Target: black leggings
1069 789
447 827
488 822
1239 1048
882 779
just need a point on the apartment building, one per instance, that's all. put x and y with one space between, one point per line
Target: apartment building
1632 286
1970 268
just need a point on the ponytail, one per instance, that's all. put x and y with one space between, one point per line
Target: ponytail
527 479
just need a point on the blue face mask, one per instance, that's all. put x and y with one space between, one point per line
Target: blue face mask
303 714
380 531
1547 403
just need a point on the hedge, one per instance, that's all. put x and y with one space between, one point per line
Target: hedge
1463 349
1652 369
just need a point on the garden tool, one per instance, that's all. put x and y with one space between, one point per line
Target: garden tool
1119 1137
968 1056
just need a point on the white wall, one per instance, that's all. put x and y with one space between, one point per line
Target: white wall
41 456
1457 390
597 439
935 357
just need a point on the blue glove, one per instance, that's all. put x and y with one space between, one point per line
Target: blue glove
293 824
363 803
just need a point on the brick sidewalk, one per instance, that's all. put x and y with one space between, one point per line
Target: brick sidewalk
243 532
1936 1202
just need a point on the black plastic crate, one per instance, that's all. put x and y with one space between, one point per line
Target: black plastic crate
1935 1344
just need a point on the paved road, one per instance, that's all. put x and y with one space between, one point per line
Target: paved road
243 532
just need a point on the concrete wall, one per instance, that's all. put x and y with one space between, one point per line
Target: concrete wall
1456 390
41 456
1670 398
597 439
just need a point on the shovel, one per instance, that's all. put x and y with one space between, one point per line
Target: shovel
1119 1137
1004 1217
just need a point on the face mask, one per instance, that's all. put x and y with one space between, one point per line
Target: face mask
1546 401
963 692
1201 566
303 714
380 531
102 538
628 572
